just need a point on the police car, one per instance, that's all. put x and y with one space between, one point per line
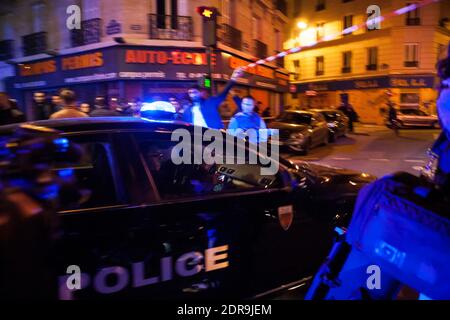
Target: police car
148 228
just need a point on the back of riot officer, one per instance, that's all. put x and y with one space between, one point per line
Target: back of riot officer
399 236
30 194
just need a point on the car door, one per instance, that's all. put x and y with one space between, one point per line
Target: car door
226 208
96 233
317 129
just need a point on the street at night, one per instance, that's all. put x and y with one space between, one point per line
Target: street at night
230 158
376 150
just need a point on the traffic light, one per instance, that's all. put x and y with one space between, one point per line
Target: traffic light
209 17
204 82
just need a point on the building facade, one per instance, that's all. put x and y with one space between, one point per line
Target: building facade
143 49
400 55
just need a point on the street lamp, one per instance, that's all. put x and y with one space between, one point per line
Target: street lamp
302 25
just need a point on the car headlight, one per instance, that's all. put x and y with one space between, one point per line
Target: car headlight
297 136
331 124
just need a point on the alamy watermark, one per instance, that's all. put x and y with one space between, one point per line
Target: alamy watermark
263 148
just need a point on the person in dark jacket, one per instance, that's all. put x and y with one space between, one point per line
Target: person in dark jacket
349 111
102 110
9 113
42 109
204 112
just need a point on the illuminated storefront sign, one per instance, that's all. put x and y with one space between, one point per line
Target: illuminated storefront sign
409 81
142 63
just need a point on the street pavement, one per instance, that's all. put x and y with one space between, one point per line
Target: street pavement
376 150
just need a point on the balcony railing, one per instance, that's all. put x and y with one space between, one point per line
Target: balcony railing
231 37
260 49
167 27
413 21
34 43
411 64
320 7
281 5
90 32
346 69
371 67
6 49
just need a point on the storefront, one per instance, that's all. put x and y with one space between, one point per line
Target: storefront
367 95
147 73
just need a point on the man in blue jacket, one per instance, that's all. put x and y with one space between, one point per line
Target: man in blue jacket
204 112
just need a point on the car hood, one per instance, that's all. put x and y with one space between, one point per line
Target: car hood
327 175
287 126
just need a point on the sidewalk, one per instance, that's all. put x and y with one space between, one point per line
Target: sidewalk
366 129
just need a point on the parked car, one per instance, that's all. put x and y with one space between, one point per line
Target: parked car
337 122
300 131
415 118
152 229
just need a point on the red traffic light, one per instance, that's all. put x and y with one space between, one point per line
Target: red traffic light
207 12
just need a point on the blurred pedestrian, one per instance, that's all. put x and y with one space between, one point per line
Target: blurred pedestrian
266 113
392 113
101 109
349 111
85 107
69 109
41 108
56 103
247 119
178 108
124 108
8 112
204 112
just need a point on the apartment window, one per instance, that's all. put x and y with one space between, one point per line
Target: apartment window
413 17
297 5
320 31
319 66
441 54
347 62
225 10
320 5
296 64
161 14
411 55
256 28
277 40
347 23
372 58
344 1
38 17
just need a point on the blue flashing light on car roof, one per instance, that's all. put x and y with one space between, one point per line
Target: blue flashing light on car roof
158 106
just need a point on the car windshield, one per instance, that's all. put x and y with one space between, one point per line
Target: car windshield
296 118
413 112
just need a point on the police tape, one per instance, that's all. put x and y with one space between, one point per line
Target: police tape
348 30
